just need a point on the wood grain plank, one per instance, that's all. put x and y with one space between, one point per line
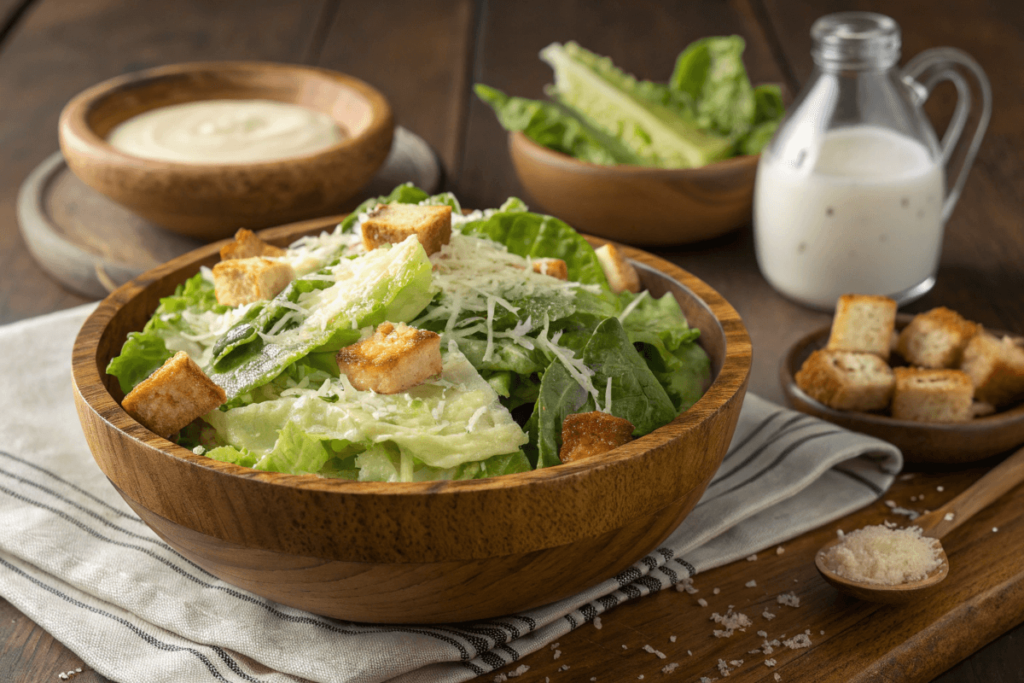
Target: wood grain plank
906 644
418 54
69 46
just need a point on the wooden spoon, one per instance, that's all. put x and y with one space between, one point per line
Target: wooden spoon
935 524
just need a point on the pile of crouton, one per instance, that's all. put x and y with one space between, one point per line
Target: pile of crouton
940 368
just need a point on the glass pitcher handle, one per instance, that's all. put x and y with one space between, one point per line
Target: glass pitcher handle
921 75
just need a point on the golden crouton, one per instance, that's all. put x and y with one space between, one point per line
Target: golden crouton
395 359
620 272
393 223
996 369
555 267
863 323
243 281
926 395
247 245
845 380
585 435
177 393
936 339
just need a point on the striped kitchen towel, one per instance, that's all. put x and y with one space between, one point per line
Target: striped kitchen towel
79 562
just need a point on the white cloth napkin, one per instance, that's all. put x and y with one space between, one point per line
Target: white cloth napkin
76 559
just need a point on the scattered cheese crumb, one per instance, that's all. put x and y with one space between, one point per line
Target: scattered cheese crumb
671 639
752 558
769 662
689 654
669 668
890 504
597 623
716 591
780 550
735 662
821 633
554 645
763 634
788 599
907 477
777 677
948 517
751 584
500 678
558 653
940 489
723 668
995 529
624 647
798 642
702 602
640 677
767 615
768 648
520 670
731 621
564 667
648 648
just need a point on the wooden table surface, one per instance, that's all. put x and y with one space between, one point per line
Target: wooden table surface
424 55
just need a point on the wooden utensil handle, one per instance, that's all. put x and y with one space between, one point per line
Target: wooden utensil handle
1003 477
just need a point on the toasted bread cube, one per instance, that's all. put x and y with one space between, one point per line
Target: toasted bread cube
864 324
243 281
247 245
177 393
996 369
930 395
846 380
620 273
936 339
394 359
393 223
585 435
555 267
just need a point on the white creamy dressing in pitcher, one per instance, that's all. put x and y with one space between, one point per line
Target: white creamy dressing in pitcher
864 217
226 132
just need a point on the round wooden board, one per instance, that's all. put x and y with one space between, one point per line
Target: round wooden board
92 245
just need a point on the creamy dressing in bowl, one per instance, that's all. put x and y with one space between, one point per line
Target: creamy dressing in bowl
226 132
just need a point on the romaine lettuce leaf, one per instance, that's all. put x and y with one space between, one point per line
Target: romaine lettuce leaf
169 330
608 99
711 71
384 284
442 423
636 394
556 128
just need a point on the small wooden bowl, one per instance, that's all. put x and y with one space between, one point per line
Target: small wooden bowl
634 204
211 201
412 552
923 442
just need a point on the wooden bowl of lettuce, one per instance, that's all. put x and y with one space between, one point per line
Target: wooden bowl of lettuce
480 540
644 163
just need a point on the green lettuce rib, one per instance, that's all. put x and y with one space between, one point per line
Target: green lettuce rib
609 99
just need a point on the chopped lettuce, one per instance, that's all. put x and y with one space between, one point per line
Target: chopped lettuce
620 374
518 347
317 314
443 423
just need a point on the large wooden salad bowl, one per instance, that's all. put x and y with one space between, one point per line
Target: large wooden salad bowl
412 552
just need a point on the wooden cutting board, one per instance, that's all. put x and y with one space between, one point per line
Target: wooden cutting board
92 245
982 598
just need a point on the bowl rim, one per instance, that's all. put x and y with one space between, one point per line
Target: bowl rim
73 121
813 339
567 162
730 383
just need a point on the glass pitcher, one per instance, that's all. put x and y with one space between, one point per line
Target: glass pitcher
850 196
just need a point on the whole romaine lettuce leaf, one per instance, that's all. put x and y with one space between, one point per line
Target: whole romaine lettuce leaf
609 99
556 128
711 72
